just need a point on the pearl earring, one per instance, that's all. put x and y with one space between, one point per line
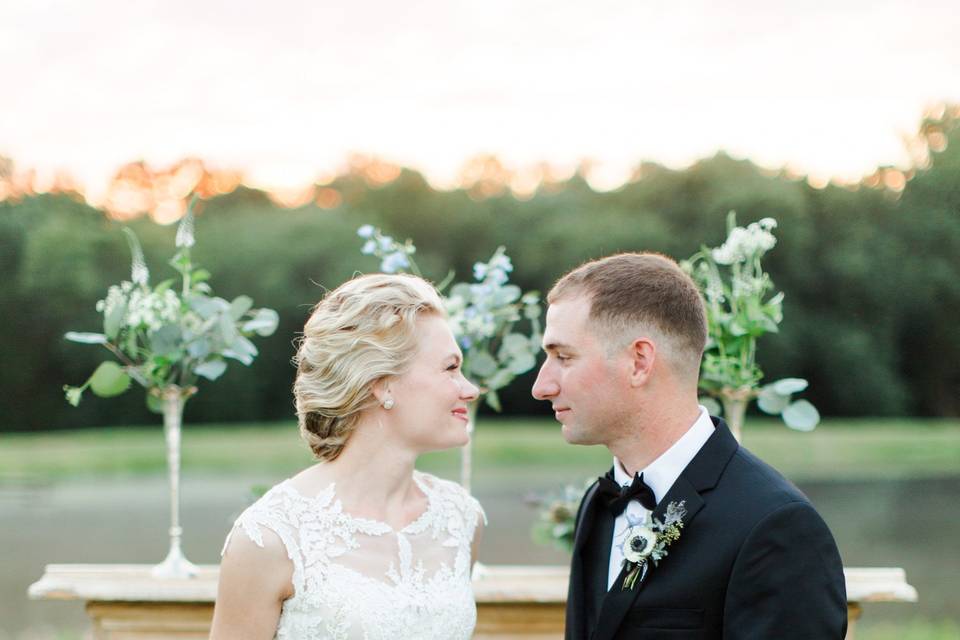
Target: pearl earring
388 404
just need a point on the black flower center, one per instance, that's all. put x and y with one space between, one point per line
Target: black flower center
638 544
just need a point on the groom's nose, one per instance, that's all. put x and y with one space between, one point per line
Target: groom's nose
545 386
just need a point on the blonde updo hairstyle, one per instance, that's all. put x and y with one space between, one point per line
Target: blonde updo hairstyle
362 332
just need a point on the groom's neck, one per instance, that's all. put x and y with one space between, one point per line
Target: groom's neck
653 431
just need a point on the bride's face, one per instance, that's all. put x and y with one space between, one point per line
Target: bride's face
430 410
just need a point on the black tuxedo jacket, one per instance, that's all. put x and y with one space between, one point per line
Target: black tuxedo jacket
754 561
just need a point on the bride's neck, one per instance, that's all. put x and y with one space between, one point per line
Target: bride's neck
371 475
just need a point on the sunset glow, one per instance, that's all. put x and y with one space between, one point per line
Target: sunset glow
137 104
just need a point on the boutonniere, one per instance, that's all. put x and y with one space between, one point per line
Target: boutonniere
648 543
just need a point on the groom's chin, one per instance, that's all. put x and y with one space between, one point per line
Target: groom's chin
571 435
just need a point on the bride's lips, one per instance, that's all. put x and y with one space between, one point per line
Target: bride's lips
461 413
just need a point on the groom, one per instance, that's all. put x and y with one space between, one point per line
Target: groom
624 337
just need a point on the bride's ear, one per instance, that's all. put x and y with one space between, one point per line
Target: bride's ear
381 391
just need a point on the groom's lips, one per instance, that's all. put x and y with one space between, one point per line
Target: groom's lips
559 411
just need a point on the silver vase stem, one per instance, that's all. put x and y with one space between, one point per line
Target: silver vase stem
175 565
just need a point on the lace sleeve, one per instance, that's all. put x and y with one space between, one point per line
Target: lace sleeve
268 514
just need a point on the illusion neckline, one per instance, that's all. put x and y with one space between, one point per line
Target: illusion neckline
414 526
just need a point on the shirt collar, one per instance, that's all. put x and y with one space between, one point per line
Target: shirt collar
664 471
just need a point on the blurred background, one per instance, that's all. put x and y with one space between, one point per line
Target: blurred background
560 130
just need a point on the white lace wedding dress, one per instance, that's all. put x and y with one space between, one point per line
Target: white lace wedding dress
359 579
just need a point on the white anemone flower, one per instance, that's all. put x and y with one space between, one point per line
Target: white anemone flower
639 544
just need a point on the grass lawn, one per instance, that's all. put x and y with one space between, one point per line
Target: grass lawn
862 448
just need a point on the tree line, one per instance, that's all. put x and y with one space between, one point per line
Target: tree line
871 274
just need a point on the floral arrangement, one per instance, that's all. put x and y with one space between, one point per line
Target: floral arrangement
741 307
166 337
555 525
642 543
171 334
483 313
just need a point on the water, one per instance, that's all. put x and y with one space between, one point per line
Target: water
905 523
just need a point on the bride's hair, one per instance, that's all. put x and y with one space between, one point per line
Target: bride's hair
361 332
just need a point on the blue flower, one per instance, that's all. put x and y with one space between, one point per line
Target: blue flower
369 248
465 342
386 243
479 271
498 276
502 262
366 231
394 262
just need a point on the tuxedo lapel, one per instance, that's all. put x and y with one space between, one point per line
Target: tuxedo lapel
577 618
702 474
587 519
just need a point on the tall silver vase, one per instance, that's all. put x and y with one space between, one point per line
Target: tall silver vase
176 564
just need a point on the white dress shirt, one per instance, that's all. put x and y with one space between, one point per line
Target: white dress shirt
659 476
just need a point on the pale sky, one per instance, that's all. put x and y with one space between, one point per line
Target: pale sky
285 90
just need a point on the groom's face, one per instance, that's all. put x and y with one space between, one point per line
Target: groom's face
578 377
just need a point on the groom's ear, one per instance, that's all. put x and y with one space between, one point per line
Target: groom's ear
643 354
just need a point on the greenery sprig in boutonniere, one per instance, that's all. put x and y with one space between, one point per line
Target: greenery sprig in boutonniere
643 543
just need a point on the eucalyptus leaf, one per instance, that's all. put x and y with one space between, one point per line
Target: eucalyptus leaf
200 275
154 403
85 338
513 344
482 364
263 323
786 386
769 401
211 369
767 325
166 341
228 329
199 348
532 311
500 379
493 400
522 362
242 350
239 306
109 380
205 306
801 415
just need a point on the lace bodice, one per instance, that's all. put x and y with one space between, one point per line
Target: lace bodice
359 579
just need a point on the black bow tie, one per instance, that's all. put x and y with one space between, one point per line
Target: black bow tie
616 497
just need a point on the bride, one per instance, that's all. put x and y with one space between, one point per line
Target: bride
361 545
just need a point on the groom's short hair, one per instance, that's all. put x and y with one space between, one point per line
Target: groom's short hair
633 293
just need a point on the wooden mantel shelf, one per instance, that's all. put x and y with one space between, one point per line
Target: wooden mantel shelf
512 601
